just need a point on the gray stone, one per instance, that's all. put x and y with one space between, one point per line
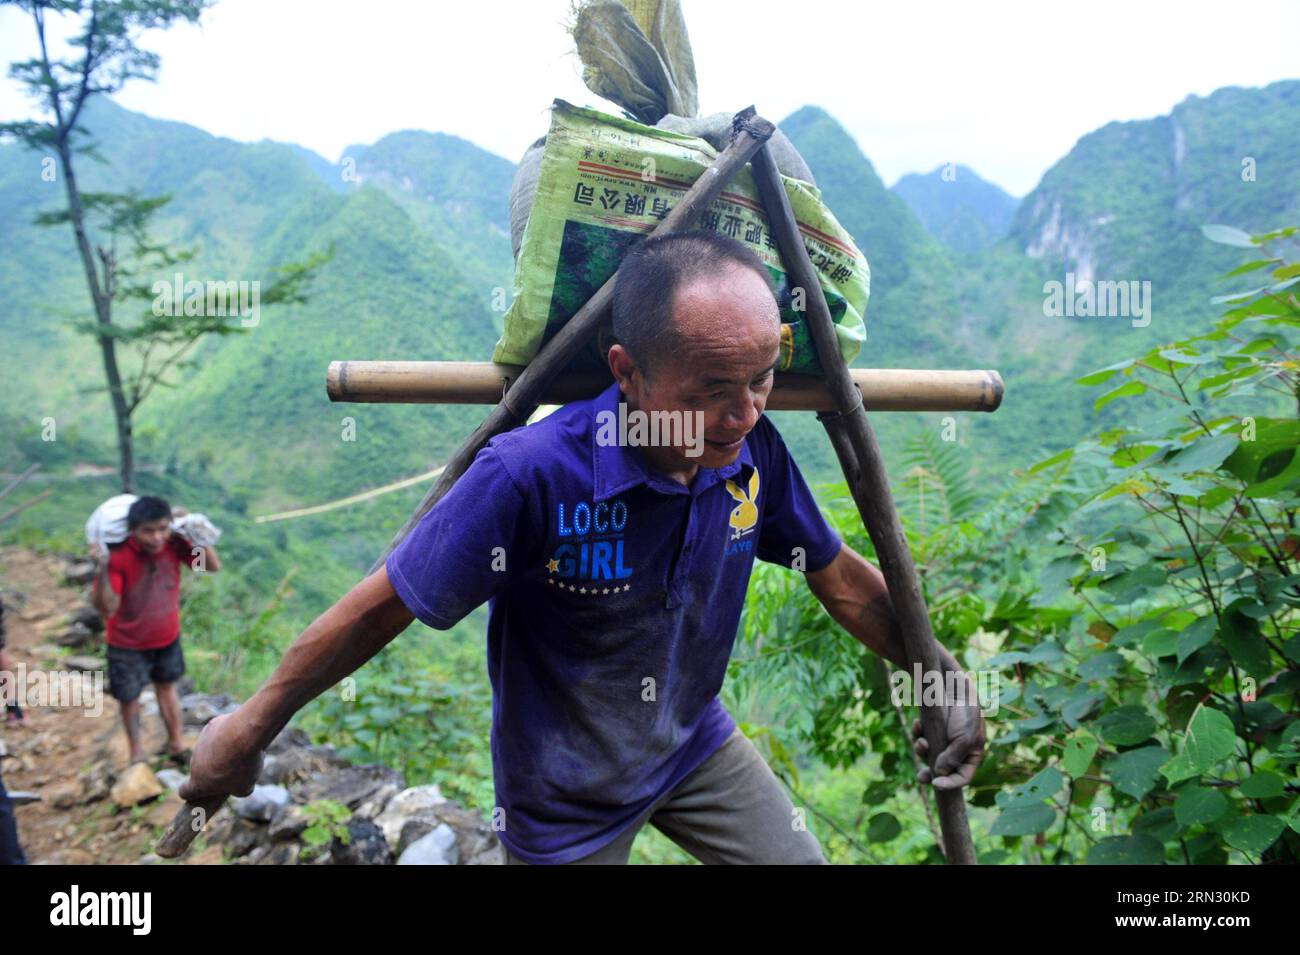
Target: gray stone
416 828
349 785
376 804
288 825
416 801
283 853
473 834
436 848
280 853
198 709
171 778
256 855
220 826
243 837
297 765
262 804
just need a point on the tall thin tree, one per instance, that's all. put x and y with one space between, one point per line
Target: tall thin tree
109 57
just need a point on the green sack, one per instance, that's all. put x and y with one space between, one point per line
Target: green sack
605 183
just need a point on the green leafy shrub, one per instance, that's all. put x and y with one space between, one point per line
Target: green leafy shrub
1136 597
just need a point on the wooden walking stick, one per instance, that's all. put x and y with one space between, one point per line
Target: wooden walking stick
523 397
185 825
864 470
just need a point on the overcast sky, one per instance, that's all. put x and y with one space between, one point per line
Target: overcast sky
1006 88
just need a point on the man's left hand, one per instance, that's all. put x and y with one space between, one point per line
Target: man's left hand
956 765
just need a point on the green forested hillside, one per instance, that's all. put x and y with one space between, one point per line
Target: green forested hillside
1126 204
454 190
1128 201
419 226
963 211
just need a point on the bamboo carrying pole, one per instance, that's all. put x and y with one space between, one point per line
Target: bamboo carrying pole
864 470
482 382
749 132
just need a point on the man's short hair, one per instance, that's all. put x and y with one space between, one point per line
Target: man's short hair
649 277
146 509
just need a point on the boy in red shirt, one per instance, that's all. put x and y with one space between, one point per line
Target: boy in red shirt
137 591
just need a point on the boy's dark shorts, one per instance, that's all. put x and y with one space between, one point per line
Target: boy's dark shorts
129 670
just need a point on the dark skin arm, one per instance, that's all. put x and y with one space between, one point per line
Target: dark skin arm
102 597
854 593
211 559
228 756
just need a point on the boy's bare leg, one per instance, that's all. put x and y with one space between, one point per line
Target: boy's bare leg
169 704
131 720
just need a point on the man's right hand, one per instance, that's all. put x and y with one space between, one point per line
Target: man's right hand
227 759
221 765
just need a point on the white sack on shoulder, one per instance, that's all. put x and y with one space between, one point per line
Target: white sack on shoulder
196 529
107 525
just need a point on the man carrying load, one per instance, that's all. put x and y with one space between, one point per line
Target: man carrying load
137 591
616 574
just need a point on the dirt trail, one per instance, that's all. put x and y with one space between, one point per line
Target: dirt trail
62 750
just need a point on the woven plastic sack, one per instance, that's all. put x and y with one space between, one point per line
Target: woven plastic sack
605 182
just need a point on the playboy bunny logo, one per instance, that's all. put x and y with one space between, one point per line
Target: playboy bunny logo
745 514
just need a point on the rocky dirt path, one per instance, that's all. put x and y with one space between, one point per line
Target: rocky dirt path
310 806
69 755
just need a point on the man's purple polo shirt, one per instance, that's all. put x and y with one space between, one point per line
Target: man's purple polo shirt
615 594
